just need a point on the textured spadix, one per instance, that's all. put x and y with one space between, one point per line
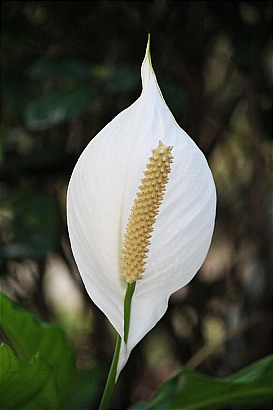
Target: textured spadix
101 193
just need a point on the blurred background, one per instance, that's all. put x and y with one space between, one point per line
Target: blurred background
68 67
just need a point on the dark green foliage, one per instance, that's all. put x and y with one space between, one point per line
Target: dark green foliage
38 364
57 107
189 390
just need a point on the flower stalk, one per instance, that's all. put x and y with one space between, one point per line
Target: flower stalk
112 376
111 379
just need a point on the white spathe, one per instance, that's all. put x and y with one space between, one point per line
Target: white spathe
100 196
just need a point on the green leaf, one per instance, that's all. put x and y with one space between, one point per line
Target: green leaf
29 385
189 390
57 107
34 341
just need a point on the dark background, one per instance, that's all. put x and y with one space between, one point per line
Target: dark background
68 67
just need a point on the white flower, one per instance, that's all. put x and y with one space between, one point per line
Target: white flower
101 194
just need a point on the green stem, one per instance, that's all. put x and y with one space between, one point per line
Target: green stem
127 309
111 380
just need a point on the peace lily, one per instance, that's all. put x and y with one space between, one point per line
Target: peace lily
141 209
